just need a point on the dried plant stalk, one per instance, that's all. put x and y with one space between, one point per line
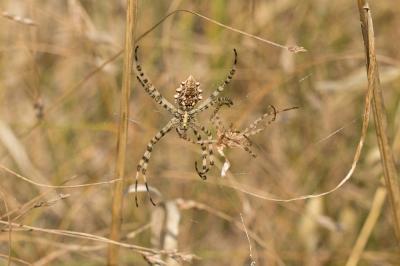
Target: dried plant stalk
387 160
369 224
122 131
3 198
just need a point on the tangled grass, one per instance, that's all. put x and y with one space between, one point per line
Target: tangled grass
61 76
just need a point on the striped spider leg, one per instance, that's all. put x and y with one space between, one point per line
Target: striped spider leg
221 101
150 89
142 166
213 98
188 94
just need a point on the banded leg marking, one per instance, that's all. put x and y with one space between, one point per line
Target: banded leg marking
252 129
142 166
211 100
210 145
220 102
204 155
149 87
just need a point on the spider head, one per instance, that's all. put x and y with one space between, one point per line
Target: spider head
188 93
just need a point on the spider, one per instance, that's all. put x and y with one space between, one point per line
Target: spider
187 98
233 138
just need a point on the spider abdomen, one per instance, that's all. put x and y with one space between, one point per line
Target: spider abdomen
188 94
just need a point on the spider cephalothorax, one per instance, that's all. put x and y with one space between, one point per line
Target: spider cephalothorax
184 119
188 94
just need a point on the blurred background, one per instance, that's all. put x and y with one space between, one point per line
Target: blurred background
59 119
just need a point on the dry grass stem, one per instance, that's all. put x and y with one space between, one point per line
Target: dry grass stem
302 190
85 236
118 195
369 224
112 181
293 49
3 198
356 158
380 117
253 263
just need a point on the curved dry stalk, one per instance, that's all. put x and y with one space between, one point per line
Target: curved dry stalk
253 263
364 127
387 159
293 49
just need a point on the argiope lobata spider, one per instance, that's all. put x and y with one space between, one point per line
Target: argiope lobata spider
188 94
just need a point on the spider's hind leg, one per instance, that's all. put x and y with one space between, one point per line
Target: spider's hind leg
203 173
204 155
252 129
210 145
142 166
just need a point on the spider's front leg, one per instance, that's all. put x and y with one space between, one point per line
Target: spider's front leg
142 166
149 87
212 99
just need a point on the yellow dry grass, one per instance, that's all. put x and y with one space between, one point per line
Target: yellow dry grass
61 74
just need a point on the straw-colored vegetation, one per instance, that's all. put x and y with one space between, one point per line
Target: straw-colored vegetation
61 73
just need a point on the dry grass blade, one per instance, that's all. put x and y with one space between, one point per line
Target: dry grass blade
18 152
51 202
55 186
375 211
387 159
97 238
253 263
131 14
3 198
293 49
